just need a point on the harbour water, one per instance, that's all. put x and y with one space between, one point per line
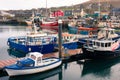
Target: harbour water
88 70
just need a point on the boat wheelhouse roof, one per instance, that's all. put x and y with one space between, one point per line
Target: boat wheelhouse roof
36 35
37 54
105 29
26 61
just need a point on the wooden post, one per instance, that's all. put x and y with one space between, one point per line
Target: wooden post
60 37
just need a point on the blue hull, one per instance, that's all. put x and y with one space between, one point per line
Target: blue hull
71 45
47 48
72 30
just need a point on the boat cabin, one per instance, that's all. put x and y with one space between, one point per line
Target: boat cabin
68 37
106 33
39 39
37 57
104 44
33 59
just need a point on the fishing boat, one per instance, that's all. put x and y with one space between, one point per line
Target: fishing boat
32 42
69 41
49 23
80 27
106 43
35 18
32 63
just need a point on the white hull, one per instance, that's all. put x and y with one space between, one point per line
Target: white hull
12 72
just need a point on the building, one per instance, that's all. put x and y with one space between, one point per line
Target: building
68 13
115 11
4 16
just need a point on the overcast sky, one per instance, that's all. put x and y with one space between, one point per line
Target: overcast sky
29 4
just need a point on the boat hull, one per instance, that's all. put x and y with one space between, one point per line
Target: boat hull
44 49
95 54
80 30
69 45
15 72
26 48
72 30
51 26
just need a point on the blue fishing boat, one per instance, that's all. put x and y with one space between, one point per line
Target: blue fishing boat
32 63
32 42
69 41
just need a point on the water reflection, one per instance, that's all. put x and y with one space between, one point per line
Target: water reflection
41 76
101 68
15 53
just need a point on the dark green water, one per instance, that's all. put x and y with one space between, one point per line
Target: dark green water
89 70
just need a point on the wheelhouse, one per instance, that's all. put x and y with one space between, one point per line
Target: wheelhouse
102 44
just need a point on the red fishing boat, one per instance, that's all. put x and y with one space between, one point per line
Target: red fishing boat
49 24
52 22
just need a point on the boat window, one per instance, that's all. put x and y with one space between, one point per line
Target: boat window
97 43
67 37
116 41
52 60
109 44
39 60
102 44
93 43
105 44
33 57
19 64
28 65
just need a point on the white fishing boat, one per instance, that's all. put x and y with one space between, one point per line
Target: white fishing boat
106 43
33 63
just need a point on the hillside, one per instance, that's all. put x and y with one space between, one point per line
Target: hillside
114 3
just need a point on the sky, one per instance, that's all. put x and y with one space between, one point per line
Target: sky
29 4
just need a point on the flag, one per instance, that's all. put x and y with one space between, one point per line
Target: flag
115 46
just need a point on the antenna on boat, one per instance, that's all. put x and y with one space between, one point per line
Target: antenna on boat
99 9
34 26
46 8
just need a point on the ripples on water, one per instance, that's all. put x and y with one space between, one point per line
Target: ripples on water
89 70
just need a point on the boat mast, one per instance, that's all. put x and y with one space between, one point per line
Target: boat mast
99 8
72 11
46 8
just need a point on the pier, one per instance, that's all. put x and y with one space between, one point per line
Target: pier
71 55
